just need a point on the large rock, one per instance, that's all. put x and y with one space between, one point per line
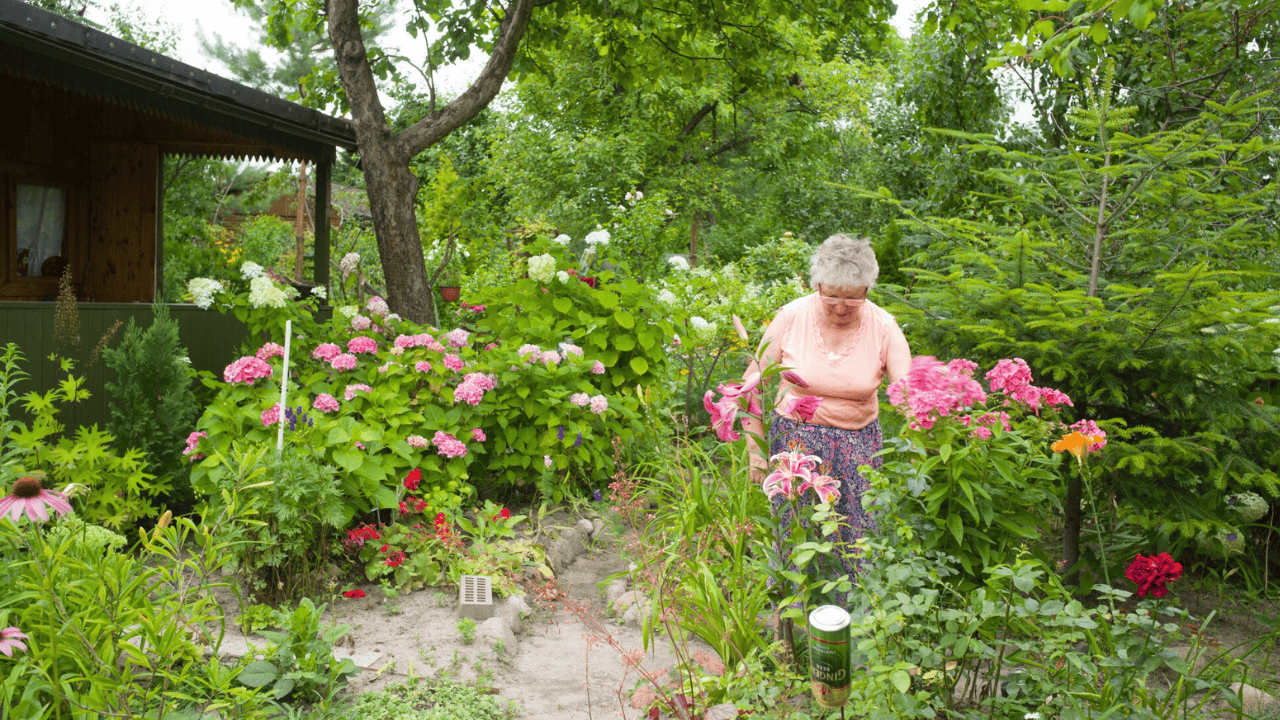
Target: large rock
615 591
635 615
513 611
597 530
723 711
585 528
577 543
560 555
627 599
496 628
1252 700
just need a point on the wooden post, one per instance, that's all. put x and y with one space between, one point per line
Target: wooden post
323 170
300 246
159 289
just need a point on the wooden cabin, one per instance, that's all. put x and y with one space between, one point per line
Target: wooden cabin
89 121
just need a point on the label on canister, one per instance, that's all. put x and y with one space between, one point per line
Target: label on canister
829 655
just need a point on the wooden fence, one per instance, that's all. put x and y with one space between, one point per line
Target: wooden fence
212 340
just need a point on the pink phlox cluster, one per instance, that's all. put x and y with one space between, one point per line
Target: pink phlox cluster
360 323
422 366
571 349
932 390
246 370
377 306
351 391
598 368
724 412
193 440
362 345
325 403
983 423
271 415
599 404
345 361
457 338
448 445
802 406
580 399
550 357
453 362
269 351
326 352
1053 397
1013 376
417 441
478 435
1089 427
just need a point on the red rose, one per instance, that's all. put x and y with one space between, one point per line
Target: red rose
412 479
1152 573
590 281
503 514
353 594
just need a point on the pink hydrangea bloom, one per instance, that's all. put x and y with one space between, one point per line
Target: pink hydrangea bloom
422 366
362 345
408 341
377 306
932 390
326 352
1089 427
434 345
325 403
397 351
246 370
468 393
550 357
193 440
269 350
580 399
478 435
351 391
571 349
480 380
457 338
417 441
453 362
529 350
599 404
360 323
598 368
345 361
448 445
271 415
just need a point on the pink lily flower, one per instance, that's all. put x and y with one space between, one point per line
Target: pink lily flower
723 414
825 487
803 406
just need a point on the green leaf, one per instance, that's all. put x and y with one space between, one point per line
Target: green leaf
901 681
386 498
350 460
639 365
624 319
562 304
257 674
956 526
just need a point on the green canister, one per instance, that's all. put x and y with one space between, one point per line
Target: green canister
829 655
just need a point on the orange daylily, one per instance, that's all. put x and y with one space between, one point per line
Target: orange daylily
1076 444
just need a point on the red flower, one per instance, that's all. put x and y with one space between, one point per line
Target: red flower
504 514
590 281
353 594
412 479
396 558
384 548
420 505
1151 573
356 538
404 509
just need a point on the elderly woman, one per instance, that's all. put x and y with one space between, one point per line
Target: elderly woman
841 345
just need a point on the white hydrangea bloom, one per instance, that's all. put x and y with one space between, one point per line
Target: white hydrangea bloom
321 292
562 239
250 270
202 291
599 237
701 272
348 311
678 262
264 293
562 276
542 268
348 263
1249 505
667 297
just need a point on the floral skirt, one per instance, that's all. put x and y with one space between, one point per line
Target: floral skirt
842 451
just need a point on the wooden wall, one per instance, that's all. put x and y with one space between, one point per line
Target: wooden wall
121 253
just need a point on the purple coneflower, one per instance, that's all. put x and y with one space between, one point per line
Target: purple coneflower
29 495
11 638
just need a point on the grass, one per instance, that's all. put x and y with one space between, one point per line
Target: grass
440 698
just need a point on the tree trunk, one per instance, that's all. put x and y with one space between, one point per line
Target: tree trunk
385 157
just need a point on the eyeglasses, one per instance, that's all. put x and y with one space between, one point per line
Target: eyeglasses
847 302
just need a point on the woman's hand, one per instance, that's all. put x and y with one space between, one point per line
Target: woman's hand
758 473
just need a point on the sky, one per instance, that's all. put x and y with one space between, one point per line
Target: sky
190 18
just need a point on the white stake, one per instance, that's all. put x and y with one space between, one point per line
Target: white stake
284 386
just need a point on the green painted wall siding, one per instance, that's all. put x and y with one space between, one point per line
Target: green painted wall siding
212 340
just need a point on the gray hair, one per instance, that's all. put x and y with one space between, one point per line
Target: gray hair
841 261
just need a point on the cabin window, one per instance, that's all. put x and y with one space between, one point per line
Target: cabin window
41 230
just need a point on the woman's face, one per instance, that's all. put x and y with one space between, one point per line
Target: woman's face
842 304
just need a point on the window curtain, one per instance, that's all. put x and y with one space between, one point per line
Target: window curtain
42 224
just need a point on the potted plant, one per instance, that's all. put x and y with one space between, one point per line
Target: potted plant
447 275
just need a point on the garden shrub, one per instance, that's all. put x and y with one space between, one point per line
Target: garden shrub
264 239
152 402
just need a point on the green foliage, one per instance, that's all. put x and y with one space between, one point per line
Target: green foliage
151 401
436 698
286 553
467 630
778 261
300 664
117 634
264 239
120 491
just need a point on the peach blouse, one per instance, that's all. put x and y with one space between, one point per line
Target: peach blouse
848 382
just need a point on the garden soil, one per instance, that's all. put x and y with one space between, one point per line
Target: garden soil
569 661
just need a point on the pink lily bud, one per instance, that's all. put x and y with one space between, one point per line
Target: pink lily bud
742 331
794 378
